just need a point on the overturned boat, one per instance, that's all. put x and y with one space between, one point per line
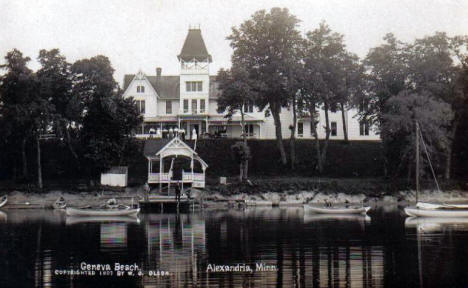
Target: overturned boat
120 211
347 209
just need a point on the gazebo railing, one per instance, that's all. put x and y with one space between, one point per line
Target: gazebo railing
158 177
188 176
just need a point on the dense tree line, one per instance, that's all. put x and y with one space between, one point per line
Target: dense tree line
396 85
79 105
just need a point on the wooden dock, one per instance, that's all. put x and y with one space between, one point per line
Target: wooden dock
160 203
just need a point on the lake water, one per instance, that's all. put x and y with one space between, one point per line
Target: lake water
281 247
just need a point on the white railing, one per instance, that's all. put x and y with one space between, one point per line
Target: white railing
188 176
158 177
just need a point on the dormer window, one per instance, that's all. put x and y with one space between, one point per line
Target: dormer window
140 89
248 107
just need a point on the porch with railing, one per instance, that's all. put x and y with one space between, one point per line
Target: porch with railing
196 179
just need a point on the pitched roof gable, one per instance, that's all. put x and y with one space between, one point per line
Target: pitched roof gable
168 87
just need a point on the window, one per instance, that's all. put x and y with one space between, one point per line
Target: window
194 106
364 128
249 129
248 107
333 128
168 107
140 106
300 129
194 86
363 106
185 106
202 105
140 89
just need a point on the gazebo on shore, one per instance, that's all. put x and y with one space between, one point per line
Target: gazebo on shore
156 150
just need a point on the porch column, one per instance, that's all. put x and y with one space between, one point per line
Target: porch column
149 168
161 169
207 125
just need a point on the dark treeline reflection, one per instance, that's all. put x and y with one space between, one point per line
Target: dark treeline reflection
383 250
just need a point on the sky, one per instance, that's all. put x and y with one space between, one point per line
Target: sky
145 34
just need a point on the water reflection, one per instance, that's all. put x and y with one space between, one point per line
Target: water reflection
440 251
3 216
71 220
308 251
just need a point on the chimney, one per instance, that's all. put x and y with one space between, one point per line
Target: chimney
158 71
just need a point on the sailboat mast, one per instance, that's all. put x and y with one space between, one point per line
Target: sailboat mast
417 161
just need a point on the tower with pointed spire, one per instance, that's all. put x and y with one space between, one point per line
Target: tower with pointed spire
194 61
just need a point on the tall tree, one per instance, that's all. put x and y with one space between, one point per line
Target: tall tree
350 85
433 116
17 95
108 119
435 63
266 46
324 73
387 74
56 85
237 91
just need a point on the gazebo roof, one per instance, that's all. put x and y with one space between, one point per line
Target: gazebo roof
157 148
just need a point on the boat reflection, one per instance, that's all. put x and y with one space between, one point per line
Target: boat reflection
437 224
71 220
338 217
24 216
3 217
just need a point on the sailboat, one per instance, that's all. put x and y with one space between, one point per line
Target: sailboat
427 209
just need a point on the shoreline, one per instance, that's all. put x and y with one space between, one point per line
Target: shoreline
210 198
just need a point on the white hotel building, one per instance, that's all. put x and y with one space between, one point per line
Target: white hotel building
189 101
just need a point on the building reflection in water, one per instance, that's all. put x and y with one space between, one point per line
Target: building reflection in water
113 236
175 243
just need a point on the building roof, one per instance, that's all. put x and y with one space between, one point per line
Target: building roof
168 87
155 147
194 47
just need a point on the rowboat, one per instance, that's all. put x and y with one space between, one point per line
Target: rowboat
3 201
70 220
336 209
123 211
439 212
